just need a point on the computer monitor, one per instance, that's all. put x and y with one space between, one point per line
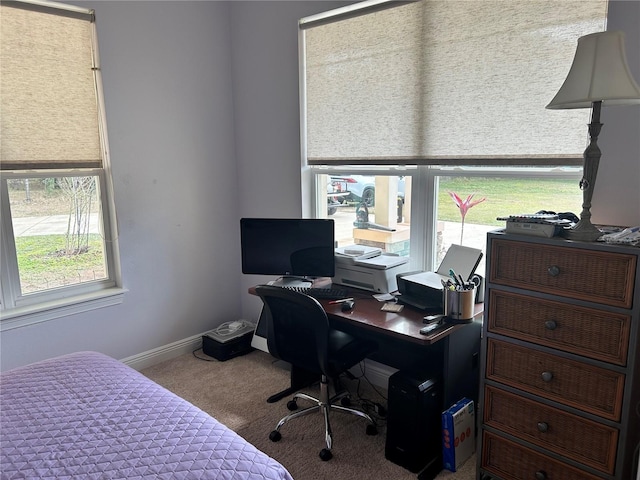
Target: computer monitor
293 249
288 247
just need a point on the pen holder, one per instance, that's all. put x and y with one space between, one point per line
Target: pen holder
459 305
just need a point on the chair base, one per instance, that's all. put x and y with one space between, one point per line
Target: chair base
300 379
323 404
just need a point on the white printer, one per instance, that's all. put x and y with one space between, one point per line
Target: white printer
368 268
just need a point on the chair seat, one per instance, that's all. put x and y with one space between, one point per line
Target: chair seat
345 351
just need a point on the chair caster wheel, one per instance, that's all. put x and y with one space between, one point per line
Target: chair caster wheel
372 430
345 401
275 435
292 405
325 455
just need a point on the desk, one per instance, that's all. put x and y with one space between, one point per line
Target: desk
452 353
404 326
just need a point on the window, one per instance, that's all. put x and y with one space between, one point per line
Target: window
452 96
370 210
500 192
425 224
58 226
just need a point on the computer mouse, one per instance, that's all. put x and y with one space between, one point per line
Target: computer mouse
348 305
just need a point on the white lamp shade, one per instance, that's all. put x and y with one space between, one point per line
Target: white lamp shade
599 73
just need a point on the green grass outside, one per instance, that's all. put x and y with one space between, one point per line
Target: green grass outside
42 265
507 197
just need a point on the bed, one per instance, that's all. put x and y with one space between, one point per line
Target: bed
86 415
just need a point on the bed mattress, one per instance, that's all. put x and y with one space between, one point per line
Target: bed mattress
86 415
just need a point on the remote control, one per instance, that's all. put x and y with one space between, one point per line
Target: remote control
429 328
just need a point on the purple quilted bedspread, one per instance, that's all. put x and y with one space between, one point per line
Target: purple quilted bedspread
88 416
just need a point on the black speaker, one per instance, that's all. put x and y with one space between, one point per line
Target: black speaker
414 422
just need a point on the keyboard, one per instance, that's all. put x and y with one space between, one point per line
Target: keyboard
330 293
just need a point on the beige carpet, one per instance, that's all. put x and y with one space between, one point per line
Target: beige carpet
235 393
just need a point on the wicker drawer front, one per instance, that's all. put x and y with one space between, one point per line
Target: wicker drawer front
590 275
580 439
584 331
510 461
592 389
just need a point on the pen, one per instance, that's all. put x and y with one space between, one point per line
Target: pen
333 302
452 274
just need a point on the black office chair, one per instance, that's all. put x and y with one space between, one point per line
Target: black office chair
298 332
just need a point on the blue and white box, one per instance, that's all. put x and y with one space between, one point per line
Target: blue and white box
458 434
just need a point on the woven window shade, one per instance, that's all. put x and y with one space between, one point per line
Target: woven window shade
446 82
49 112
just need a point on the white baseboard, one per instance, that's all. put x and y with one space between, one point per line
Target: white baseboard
377 373
166 352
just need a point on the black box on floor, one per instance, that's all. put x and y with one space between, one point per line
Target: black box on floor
223 345
413 423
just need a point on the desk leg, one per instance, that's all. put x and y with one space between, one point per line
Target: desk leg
299 379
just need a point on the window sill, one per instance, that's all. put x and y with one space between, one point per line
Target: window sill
43 312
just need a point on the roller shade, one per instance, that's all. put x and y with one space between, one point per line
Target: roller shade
48 102
446 82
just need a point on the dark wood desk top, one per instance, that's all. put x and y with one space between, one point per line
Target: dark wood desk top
404 325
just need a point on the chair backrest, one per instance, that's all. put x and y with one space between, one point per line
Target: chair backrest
297 328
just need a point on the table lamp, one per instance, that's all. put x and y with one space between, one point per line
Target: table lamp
598 76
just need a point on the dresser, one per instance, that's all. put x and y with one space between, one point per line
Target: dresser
560 360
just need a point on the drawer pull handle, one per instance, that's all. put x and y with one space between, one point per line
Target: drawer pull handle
550 325
541 475
547 376
553 270
543 427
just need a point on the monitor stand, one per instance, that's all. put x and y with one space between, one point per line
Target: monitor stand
292 281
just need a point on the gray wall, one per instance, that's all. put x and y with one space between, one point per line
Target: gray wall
616 198
267 109
168 91
203 117
170 85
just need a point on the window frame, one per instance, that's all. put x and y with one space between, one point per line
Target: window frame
16 309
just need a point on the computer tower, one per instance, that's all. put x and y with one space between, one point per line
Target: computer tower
413 422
